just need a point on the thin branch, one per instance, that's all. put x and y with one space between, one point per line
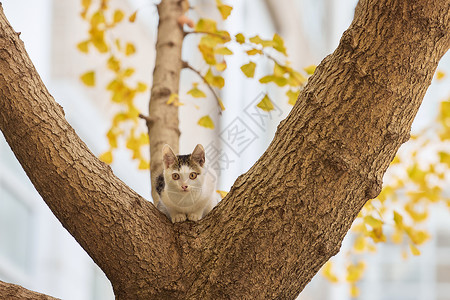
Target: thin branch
186 65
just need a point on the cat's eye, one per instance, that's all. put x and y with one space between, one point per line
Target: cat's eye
192 175
175 176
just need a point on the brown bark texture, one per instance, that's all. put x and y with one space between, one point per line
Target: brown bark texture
10 291
285 217
163 123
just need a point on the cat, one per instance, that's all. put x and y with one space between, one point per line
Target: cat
186 188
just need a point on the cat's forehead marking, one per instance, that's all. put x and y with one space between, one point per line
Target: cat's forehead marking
185 160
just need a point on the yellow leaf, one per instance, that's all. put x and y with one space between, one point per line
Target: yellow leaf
130 49
144 165
98 40
221 66
310 69
222 193
106 157
97 18
223 51
249 69
373 222
222 107
113 64
118 16
240 38
254 51
206 122
132 17
360 244
88 78
418 237
141 87
398 219
216 81
206 25
414 250
278 44
225 10
354 291
83 46
327 272
355 272
292 96
278 80
86 4
257 40
265 104
174 100
128 72
197 93
112 138
208 54
440 75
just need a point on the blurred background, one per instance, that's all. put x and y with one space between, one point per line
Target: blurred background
37 253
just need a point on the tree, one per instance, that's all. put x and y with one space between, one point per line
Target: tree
285 217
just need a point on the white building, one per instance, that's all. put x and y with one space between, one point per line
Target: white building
37 253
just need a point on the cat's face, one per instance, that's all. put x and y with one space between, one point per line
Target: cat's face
183 174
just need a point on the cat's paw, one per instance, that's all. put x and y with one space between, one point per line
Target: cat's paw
178 218
194 217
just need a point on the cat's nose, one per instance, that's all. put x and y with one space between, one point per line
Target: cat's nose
184 187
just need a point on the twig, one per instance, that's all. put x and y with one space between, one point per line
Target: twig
188 66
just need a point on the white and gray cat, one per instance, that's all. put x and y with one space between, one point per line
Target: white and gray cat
186 188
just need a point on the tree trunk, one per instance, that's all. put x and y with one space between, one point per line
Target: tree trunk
15 292
287 215
163 123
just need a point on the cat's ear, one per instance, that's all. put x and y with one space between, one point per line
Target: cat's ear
198 155
169 157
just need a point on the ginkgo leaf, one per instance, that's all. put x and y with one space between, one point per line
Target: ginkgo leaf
373 222
132 17
141 87
265 104
144 164
414 249
292 96
196 92
440 75
254 51
83 46
222 193
327 272
249 69
278 44
86 4
223 51
206 25
128 72
216 81
208 54
206 122
130 49
88 78
355 271
112 138
106 157
221 66
222 107
118 16
225 10
240 38
113 64
174 100
310 69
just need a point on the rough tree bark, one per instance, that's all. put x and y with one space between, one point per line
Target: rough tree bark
163 119
11 291
287 215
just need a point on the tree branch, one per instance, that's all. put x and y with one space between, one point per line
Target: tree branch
186 65
11 292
